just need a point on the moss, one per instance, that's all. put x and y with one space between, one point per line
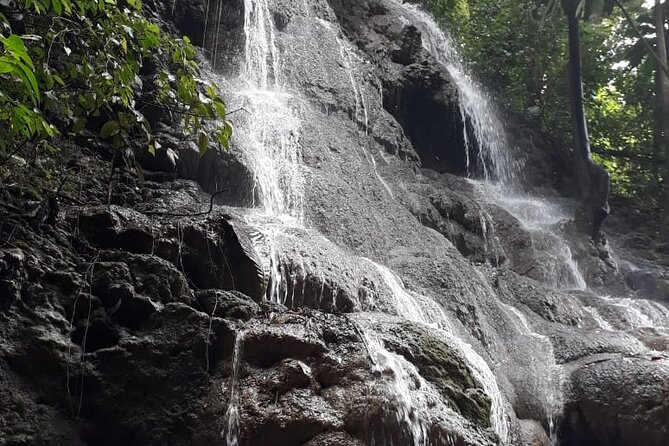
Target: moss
439 364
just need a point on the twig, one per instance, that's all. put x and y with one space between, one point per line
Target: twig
195 214
72 199
111 177
171 109
528 270
235 111
88 280
211 320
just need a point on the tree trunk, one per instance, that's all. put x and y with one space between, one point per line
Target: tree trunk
593 179
662 97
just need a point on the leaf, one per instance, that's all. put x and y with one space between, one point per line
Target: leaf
25 74
79 124
57 6
110 129
140 172
14 45
5 67
203 143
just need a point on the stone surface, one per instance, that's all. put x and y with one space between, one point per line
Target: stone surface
120 316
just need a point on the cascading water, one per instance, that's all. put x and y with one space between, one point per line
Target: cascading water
488 138
540 217
270 134
269 123
548 378
423 310
402 389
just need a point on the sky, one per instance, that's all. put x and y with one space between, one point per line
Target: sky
650 3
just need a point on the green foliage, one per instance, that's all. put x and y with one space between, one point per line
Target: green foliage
451 13
519 49
90 64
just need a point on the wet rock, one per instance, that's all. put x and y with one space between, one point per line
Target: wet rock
651 283
216 171
438 363
334 439
619 400
213 241
532 434
26 420
228 305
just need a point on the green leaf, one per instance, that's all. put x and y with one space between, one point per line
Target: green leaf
79 124
203 143
140 172
110 129
14 45
5 67
57 7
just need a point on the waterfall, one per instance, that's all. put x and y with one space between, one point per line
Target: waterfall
269 123
483 131
271 134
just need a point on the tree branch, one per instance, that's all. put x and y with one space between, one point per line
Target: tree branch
628 154
636 29
195 214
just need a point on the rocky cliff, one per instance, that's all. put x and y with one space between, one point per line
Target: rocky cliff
346 285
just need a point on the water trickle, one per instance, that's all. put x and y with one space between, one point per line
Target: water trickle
350 60
541 219
231 425
597 317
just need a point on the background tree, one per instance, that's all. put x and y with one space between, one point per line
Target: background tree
521 51
662 96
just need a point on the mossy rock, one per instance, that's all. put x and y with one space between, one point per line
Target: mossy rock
441 365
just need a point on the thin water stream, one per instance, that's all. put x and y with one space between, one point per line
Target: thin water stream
231 425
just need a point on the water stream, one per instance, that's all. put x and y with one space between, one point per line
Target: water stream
270 136
231 425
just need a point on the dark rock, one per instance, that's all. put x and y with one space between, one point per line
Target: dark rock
228 305
619 400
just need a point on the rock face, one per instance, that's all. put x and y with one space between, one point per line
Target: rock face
619 400
396 303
